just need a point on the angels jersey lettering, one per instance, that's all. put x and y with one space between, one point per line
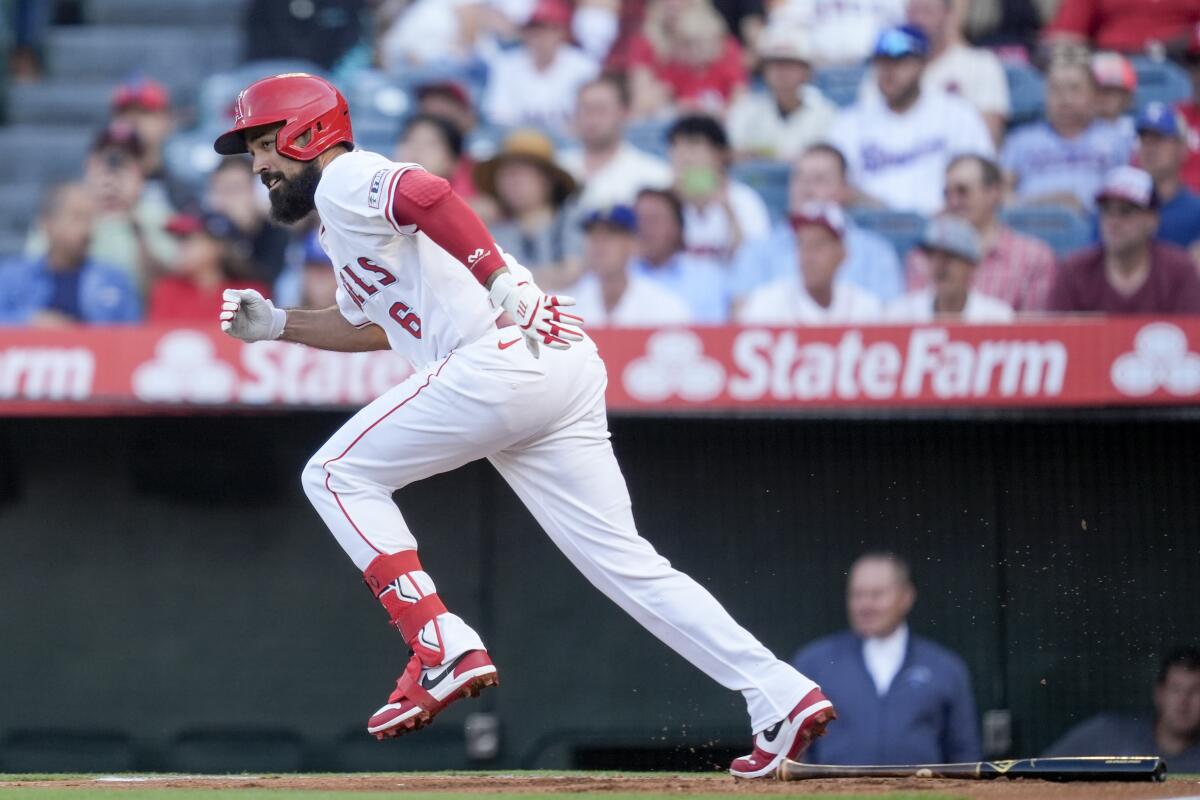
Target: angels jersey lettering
393 275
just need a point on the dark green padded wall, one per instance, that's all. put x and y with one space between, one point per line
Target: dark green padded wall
167 586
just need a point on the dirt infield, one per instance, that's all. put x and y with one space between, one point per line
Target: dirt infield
498 783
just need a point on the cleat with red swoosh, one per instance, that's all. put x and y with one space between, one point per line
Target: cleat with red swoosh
424 692
787 738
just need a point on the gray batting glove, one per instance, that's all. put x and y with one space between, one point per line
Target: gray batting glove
249 316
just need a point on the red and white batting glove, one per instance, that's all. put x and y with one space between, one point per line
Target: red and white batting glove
539 316
247 315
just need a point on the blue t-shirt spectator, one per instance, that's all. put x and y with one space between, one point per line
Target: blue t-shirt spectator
93 293
1044 163
871 263
700 283
926 715
1179 219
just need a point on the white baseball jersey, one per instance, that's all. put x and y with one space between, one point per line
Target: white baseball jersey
427 302
479 392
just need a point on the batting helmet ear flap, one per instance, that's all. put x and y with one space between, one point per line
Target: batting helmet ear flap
305 104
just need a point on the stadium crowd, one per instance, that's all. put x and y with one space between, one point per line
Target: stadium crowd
683 162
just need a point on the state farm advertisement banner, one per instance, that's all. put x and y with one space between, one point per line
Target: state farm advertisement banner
1095 362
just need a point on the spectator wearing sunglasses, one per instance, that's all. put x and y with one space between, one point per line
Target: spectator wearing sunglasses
1129 272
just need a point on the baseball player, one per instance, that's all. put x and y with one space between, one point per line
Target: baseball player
502 371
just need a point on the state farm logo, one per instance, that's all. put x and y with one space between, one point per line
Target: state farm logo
1160 360
46 373
674 365
801 366
185 368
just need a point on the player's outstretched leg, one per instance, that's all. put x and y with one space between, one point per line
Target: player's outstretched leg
403 436
571 483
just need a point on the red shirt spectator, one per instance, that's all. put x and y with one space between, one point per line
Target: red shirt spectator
684 57
208 264
1171 285
1125 25
705 86
1130 272
178 299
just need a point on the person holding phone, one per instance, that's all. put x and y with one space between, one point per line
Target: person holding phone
719 213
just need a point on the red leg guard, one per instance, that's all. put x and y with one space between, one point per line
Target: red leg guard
390 577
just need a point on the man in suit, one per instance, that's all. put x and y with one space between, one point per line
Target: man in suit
901 698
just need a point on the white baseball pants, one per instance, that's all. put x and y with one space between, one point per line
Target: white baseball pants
542 424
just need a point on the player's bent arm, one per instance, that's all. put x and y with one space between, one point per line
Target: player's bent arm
327 329
247 315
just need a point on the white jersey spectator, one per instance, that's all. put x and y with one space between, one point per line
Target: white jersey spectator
644 304
918 306
786 302
610 293
792 114
610 170
720 214
973 73
536 84
842 31
898 143
709 230
812 295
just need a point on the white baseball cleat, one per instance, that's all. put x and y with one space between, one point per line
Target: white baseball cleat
423 692
787 738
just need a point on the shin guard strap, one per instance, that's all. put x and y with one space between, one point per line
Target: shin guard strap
388 567
412 618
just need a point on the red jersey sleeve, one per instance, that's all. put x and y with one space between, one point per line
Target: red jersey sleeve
427 201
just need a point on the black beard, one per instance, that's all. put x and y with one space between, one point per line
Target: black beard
293 200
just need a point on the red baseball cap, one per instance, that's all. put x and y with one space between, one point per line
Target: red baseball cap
448 87
142 93
550 12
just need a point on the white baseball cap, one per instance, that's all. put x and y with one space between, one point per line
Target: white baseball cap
1130 184
784 43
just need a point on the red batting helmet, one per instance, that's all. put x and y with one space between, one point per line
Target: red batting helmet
303 103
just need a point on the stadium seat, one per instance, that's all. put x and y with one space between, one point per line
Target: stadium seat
71 102
902 228
1062 229
1027 90
1159 81
156 12
47 154
218 93
770 180
190 156
840 84
51 750
172 54
215 750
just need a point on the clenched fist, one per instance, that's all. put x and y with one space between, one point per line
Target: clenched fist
249 316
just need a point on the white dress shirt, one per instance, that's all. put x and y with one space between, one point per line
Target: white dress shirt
884 656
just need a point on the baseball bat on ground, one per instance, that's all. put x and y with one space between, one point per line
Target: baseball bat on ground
1089 768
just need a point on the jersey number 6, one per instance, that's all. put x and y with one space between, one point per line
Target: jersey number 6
406 318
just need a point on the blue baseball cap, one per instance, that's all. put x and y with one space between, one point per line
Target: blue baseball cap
899 41
614 216
1159 118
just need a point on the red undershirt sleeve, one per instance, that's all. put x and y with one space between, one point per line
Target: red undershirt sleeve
423 199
